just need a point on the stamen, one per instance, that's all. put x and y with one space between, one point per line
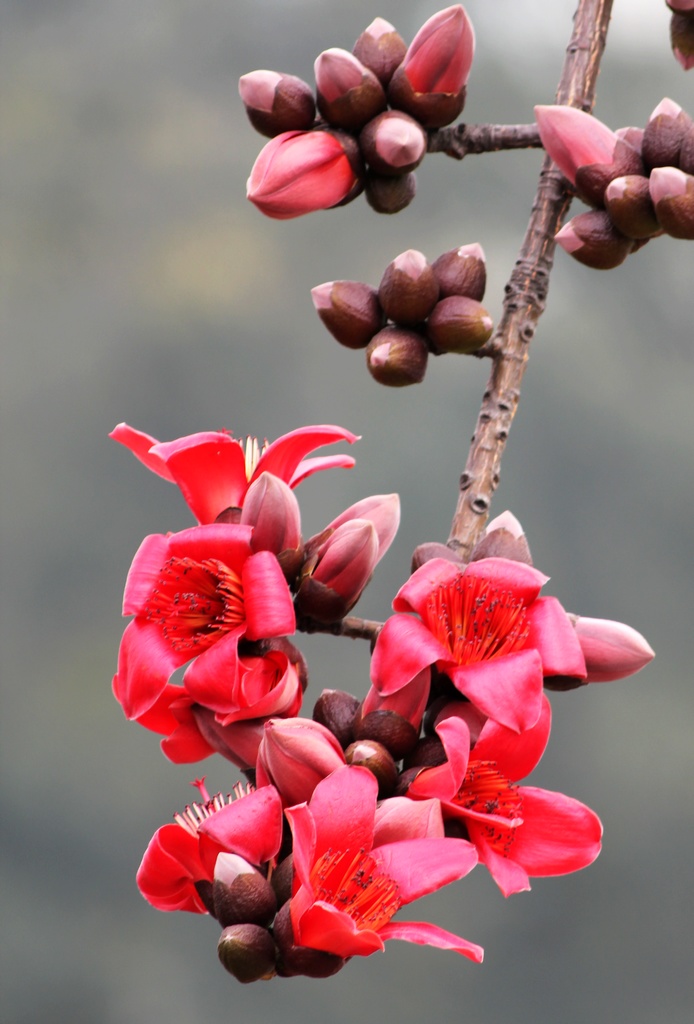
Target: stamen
193 815
253 452
486 791
350 881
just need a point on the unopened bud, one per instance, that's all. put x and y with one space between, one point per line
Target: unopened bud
503 538
248 952
393 143
390 195
681 5
672 192
271 508
294 960
632 135
334 577
282 878
592 180
592 239
337 711
388 728
276 102
240 893
408 290
612 650
462 271
682 38
397 357
380 48
629 204
664 134
350 310
294 755
374 756
433 549
349 94
428 753
459 324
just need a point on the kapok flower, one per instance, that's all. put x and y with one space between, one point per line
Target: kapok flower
486 627
294 755
215 470
195 594
300 172
348 885
177 869
519 831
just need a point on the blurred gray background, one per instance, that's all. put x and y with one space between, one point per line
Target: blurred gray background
140 285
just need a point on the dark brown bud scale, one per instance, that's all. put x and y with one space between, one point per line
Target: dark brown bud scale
337 711
628 202
381 49
431 109
248 952
295 960
350 310
390 195
373 755
461 271
408 290
390 729
397 357
593 179
459 324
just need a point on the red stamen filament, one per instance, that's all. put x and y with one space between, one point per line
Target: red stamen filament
486 791
475 620
196 602
350 881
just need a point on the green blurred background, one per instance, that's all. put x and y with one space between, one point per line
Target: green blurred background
140 285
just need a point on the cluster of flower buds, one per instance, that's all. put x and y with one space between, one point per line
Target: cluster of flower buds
640 182
418 308
374 107
682 31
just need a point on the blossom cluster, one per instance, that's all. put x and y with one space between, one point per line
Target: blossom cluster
682 31
418 308
639 181
348 815
375 106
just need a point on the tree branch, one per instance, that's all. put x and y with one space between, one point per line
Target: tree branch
526 291
462 139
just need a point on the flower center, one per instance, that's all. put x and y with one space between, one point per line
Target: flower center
351 882
475 620
193 815
195 603
486 791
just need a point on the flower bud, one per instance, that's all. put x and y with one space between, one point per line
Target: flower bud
390 195
335 574
459 324
462 271
294 755
432 549
397 357
503 538
282 878
682 39
629 204
374 756
680 5
299 172
349 94
383 510
409 702
380 48
672 192
393 143
337 711
240 893
248 952
634 136
390 729
350 310
276 102
271 508
612 650
294 960
592 239
687 153
408 290
430 83
663 135
428 753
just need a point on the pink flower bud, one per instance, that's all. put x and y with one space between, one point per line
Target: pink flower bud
383 510
397 357
592 239
276 102
393 143
634 136
462 271
503 538
350 310
271 508
294 755
390 195
459 324
430 82
381 49
612 650
408 290
682 38
629 204
349 94
335 575
664 134
299 172
672 192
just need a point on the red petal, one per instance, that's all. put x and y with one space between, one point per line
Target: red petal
210 470
169 866
403 649
144 573
524 580
552 634
401 818
507 689
558 834
307 467
250 826
211 678
140 444
323 926
426 934
343 806
284 456
515 754
268 602
228 543
145 663
421 866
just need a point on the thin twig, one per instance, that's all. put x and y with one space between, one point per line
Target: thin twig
462 139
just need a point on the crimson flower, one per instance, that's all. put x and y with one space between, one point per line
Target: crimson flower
214 470
519 831
195 594
177 869
348 885
486 627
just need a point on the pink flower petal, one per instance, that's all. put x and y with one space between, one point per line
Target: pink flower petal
515 754
507 689
146 661
401 818
267 600
210 470
421 866
552 634
210 679
140 444
426 934
324 926
284 456
558 834
404 648
250 826
343 806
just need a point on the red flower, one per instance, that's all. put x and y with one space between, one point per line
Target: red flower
519 831
196 594
485 627
178 864
348 884
214 470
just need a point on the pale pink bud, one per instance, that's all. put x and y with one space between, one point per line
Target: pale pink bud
337 571
349 94
397 357
592 239
459 324
393 143
462 271
271 508
380 48
350 310
632 135
612 650
408 290
430 82
672 192
383 510
294 755
277 102
628 202
664 134
299 172
390 195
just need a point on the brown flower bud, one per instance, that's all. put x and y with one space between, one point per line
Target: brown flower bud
240 893
349 94
593 179
672 192
337 710
682 38
248 952
393 143
428 753
433 549
350 310
462 271
628 202
277 103
503 538
282 878
379 761
397 357
408 290
459 324
390 195
381 49
664 134
592 239
388 728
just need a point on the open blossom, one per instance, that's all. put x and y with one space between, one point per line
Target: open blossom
486 627
349 884
215 470
196 594
519 831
